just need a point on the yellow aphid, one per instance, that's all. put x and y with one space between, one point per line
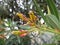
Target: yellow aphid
33 18
20 32
31 14
16 32
20 15
23 17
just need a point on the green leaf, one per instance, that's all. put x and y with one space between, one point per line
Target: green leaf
53 8
2 42
3 11
25 27
53 21
38 9
59 16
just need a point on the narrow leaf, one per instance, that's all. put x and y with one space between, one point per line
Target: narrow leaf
53 21
52 7
38 9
